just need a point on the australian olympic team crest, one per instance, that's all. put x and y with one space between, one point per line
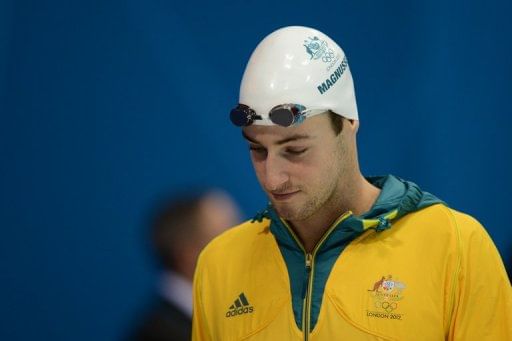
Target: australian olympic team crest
317 48
386 294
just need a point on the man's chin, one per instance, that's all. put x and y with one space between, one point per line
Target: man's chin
281 208
287 212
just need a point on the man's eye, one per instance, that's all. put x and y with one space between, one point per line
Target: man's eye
257 150
296 151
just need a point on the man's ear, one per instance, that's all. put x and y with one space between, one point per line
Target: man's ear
353 125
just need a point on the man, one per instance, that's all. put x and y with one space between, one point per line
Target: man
180 231
337 256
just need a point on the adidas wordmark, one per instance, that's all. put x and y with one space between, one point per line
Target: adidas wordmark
240 306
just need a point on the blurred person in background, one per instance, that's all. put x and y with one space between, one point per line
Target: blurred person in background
180 230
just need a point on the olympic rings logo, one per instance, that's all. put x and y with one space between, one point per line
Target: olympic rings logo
328 56
387 306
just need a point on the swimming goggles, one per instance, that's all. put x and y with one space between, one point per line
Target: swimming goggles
284 115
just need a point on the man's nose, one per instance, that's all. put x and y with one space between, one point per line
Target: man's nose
276 172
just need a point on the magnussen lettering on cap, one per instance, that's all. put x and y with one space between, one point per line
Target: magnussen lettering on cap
329 82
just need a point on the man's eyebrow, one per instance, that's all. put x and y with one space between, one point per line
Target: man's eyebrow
293 138
250 139
280 142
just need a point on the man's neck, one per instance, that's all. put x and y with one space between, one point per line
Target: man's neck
358 198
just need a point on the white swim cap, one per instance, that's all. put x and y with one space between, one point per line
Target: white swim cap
298 67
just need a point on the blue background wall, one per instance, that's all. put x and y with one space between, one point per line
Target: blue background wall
106 105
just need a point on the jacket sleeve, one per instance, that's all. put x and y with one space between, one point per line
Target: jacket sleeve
482 308
199 322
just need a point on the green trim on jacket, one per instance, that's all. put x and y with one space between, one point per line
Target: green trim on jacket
396 199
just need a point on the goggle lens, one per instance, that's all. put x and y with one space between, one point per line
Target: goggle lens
242 116
282 116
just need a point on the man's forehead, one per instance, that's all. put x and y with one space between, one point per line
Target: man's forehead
310 128
275 134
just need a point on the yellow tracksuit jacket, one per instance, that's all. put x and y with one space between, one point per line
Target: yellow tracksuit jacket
409 269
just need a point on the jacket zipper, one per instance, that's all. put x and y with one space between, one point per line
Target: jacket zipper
310 272
306 306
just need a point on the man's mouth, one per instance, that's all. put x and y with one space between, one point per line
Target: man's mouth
283 196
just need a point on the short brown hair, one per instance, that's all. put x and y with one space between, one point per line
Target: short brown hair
336 122
175 221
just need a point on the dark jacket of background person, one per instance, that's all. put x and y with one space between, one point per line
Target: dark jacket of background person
165 322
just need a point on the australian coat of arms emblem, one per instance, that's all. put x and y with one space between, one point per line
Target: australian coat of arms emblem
317 48
386 294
